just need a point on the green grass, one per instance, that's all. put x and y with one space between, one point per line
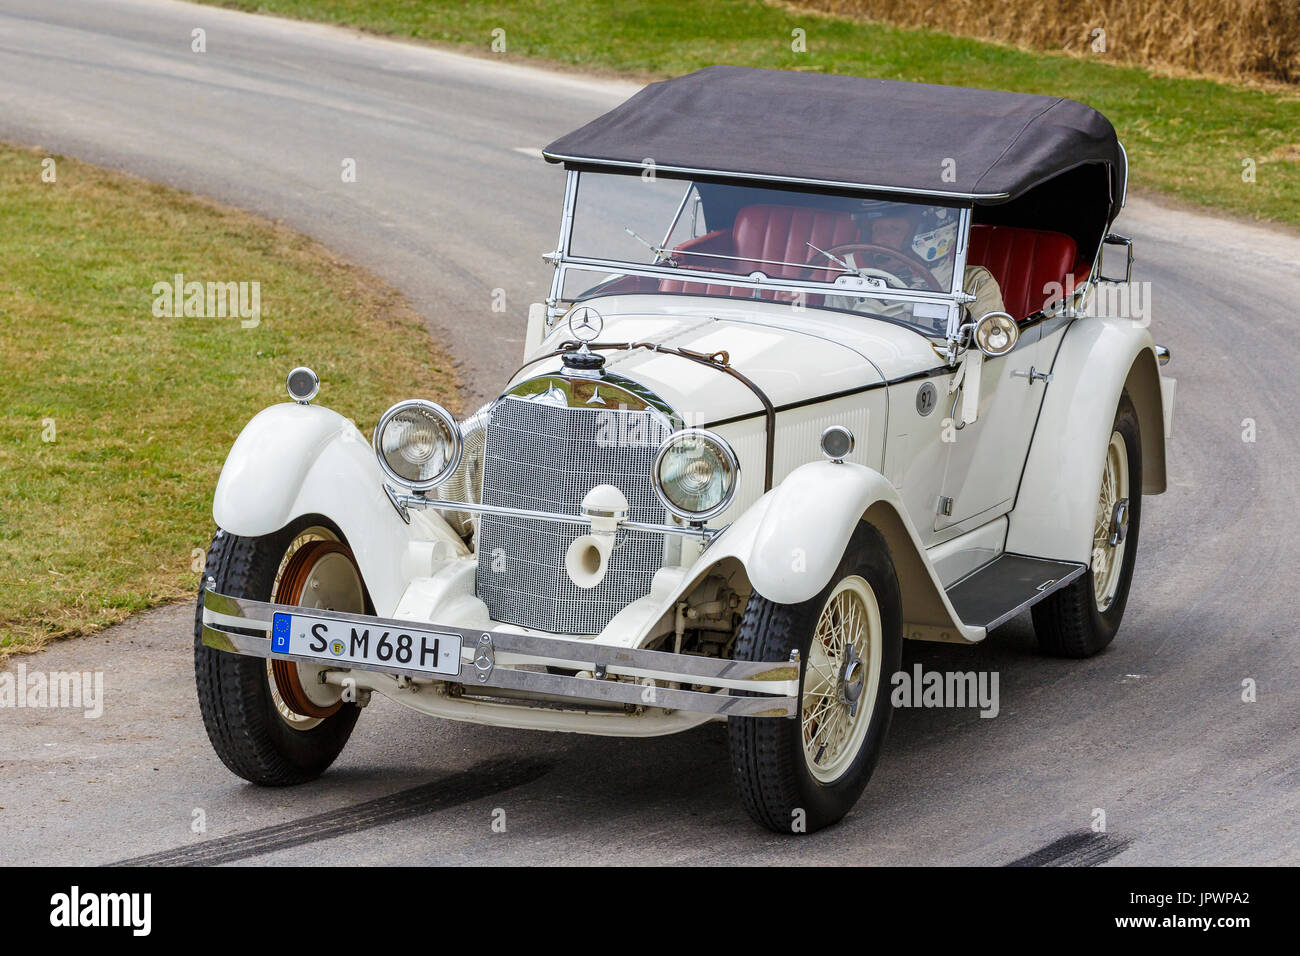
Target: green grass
108 518
1186 137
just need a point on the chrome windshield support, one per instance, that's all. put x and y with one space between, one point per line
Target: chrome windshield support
553 310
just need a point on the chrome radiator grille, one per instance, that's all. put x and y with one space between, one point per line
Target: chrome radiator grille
543 456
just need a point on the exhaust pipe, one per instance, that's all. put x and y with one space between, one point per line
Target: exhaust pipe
587 559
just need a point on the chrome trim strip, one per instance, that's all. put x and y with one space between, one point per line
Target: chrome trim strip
777 678
854 187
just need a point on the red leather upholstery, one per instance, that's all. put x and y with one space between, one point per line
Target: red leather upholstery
717 243
1025 262
769 232
782 234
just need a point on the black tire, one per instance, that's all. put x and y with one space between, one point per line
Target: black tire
767 755
247 731
1069 623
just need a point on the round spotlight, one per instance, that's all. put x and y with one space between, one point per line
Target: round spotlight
695 474
996 333
302 384
837 443
418 444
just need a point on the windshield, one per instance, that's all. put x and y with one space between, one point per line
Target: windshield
869 256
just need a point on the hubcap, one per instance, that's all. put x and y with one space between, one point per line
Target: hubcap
1111 526
841 678
317 572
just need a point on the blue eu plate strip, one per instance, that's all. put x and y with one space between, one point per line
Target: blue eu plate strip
280 633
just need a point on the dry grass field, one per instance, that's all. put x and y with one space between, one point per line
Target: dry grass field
1234 39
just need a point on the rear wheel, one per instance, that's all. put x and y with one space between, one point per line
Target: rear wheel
804 774
1082 618
273 722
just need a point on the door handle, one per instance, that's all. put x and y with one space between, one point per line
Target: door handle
1033 375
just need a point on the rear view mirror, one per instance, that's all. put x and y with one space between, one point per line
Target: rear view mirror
1110 241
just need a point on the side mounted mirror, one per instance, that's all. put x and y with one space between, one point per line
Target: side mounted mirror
996 333
1113 240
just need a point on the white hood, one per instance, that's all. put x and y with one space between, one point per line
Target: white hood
792 356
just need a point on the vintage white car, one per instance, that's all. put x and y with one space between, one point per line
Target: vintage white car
817 374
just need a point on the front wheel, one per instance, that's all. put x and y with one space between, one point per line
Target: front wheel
800 775
273 722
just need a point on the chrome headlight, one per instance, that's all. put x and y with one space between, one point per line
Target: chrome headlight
695 474
418 444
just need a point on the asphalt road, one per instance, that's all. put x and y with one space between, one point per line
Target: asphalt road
448 206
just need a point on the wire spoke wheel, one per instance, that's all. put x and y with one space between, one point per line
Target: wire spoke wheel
802 773
317 571
1108 557
841 678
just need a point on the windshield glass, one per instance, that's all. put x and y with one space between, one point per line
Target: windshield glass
810 249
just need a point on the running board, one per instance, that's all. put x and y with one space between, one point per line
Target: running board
1006 586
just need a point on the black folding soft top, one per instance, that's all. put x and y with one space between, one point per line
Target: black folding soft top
855 133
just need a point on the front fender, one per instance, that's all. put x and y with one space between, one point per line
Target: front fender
1057 502
791 540
264 473
294 460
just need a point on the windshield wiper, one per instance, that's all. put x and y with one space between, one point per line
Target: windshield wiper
859 271
661 254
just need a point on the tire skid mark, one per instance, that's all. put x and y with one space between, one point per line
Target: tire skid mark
1076 849
482 780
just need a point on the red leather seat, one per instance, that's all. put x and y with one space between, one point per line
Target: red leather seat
782 234
715 243
761 235
1026 263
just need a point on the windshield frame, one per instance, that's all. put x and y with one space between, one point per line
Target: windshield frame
564 260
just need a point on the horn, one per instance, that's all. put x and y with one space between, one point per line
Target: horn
588 558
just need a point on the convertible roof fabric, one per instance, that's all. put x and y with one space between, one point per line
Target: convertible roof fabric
851 132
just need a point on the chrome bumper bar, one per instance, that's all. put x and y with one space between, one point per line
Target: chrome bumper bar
490 659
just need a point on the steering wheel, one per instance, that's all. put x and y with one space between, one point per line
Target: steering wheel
910 261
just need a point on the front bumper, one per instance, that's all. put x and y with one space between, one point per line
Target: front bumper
491 659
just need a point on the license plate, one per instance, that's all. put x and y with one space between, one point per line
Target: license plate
430 652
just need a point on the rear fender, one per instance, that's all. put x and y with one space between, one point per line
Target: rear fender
1056 505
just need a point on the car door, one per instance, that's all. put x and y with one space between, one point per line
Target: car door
983 461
